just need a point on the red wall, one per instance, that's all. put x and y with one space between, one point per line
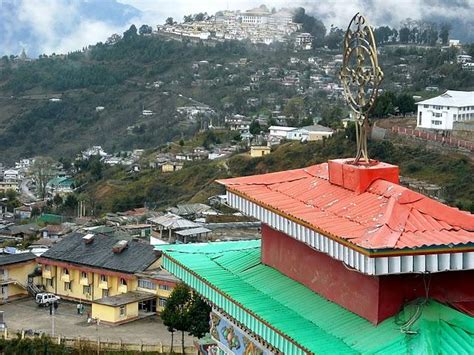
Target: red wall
374 298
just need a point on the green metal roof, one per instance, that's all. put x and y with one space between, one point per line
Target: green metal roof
295 319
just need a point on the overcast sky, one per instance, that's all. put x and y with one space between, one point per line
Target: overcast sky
44 17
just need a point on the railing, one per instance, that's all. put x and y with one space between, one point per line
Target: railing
99 344
433 137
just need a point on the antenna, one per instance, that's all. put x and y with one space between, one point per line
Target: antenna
361 77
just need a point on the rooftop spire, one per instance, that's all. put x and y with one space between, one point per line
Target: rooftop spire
360 76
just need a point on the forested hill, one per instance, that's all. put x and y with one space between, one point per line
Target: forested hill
48 106
61 104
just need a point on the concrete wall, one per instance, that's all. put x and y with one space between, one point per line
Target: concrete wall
19 273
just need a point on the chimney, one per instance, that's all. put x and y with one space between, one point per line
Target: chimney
358 177
88 238
120 246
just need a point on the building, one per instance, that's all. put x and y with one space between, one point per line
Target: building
170 166
11 175
280 131
60 185
441 111
259 151
8 185
304 41
16 272
310 133
349 261
101 270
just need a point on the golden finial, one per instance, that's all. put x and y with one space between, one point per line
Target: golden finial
360 76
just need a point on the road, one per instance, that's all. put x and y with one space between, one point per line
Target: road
26 194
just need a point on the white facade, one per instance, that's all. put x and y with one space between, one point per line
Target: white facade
280 131
440 112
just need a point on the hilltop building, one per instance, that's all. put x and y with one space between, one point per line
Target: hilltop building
349 261
442 111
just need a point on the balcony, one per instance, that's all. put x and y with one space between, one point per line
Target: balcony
47 274
66 277
84 281
123 289
104 285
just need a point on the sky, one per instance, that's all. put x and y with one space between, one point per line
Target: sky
61 25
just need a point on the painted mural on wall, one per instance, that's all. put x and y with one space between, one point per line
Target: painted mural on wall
232 339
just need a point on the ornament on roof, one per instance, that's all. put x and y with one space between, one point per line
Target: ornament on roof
360 76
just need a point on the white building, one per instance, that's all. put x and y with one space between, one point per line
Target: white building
11 175
280 131
310 133
440 112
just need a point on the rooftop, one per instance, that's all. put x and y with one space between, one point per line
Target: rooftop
8 259
385 216
99 254
297 320
451 98
125 298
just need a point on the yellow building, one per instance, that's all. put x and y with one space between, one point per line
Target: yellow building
101 270
259 151
16 270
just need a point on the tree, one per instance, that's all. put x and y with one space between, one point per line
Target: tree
169 21
444 33
43 170
404 34
334 38
405 103
311 25
115 38
57 200
294 108
131 33
199 312
255 127
145 30
70 204
175 316
188 18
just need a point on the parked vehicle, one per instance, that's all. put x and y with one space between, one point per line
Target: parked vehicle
45 299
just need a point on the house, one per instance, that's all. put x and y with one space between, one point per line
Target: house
259 151
160 282
21 231
170 166
280 131
191 210
441 111
192 235
169 224
138 230
11 175
23 212
304 41
54 231
310 133
60 186
9 185
16 272
101 270
349 262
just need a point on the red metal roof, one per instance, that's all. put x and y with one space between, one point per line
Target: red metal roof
386 215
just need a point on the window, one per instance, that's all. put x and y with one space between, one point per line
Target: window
426 106
47 268
142 283
123 311
123 282
162 302
86 290
84 275
67 286
419 120
105 293
65 271
4 290
436 123
164 287
50 282
103 278
454 116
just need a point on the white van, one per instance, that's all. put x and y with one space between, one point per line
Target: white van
45 299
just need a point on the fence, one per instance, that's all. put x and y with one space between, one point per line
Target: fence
433 137
101 345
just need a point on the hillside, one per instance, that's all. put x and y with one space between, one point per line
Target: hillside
195 182
49 105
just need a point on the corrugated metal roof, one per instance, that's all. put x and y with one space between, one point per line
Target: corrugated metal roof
387 215
234 270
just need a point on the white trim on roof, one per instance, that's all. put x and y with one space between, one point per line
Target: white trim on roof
451 98
388 265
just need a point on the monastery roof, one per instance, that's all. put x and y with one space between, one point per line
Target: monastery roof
295 319
451 98
386 215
